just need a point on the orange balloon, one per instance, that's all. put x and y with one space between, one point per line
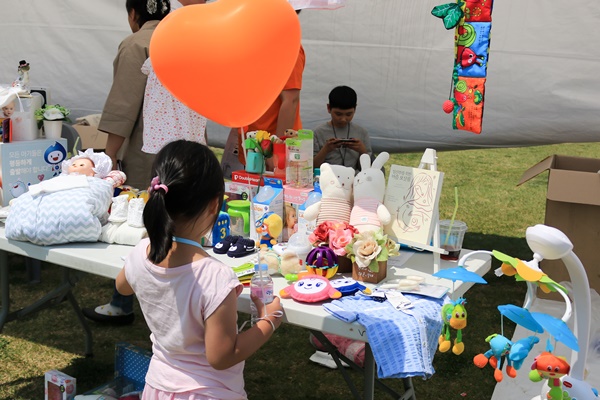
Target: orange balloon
227 60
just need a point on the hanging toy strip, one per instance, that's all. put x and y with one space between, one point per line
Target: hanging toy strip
472 20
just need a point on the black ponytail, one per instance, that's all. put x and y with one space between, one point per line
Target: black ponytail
159 226
192 178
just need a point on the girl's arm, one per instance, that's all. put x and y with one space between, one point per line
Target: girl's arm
122 285
224 346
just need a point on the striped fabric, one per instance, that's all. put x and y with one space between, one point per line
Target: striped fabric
403 343
334 209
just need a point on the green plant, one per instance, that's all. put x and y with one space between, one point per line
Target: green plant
52 112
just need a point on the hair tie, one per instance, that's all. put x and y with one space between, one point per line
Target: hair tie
151 6
155 185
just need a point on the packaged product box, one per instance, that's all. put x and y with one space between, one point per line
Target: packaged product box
249 178
573 207
59 386
268 199
239 191
27 163
293 198
299 159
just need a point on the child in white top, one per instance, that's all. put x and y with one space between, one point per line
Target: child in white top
189 299
165 118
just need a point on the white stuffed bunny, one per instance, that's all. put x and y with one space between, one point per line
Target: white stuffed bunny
336 201
368 212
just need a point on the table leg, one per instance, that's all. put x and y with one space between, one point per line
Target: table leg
5 302
369 393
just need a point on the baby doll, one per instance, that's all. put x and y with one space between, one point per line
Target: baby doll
89 163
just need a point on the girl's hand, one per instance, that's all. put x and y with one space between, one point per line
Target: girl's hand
271 309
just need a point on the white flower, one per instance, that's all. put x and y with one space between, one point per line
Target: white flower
53 114
365 251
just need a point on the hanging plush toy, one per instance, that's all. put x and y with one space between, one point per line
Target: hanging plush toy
499 348
548 366
503 350
454 315
472 20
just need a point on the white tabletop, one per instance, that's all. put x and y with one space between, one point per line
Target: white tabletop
107 260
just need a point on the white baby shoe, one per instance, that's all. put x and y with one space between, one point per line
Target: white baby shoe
135 213
118 210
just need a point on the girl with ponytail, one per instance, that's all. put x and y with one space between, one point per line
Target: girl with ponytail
189 299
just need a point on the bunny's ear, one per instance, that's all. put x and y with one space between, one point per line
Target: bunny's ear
365 161
381 159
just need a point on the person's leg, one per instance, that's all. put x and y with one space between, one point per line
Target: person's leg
119 311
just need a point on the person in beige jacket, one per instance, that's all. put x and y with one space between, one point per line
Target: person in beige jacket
122 119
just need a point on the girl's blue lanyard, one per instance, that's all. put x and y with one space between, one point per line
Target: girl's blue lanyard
187 241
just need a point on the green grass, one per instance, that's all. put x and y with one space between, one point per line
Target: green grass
495 209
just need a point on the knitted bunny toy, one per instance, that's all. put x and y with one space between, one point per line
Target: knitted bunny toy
336 202
368 212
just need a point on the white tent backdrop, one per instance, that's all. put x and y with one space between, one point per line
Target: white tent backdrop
543 82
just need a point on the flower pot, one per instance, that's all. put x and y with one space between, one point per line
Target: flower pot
53 129
366 275
344 265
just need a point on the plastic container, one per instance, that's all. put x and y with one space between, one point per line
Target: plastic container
451 238
261 285
300 245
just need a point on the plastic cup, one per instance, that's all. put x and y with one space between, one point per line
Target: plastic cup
451 238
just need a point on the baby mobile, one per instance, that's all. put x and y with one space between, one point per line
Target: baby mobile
472 20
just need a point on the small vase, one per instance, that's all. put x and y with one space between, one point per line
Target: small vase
366 275
53 129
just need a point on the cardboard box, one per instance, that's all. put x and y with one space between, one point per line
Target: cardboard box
91 138
239 191
293 198
269 201
59 386
248 178
27 163
573 207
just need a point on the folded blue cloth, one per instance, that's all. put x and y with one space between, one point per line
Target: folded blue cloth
403 342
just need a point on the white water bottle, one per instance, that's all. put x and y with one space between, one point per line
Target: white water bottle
261 286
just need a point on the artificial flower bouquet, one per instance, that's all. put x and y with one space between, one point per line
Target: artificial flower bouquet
260 142
369 252
336 235
52 112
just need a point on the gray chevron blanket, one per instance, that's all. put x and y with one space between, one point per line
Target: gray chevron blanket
69 214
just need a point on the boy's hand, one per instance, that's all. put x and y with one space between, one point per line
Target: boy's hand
356 145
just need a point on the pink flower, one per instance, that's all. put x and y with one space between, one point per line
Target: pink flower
320 234
338 239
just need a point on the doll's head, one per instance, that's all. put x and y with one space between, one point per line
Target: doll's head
82 166
88 163
8 109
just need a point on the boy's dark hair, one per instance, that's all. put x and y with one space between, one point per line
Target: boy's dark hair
148 10
342 97
194 179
